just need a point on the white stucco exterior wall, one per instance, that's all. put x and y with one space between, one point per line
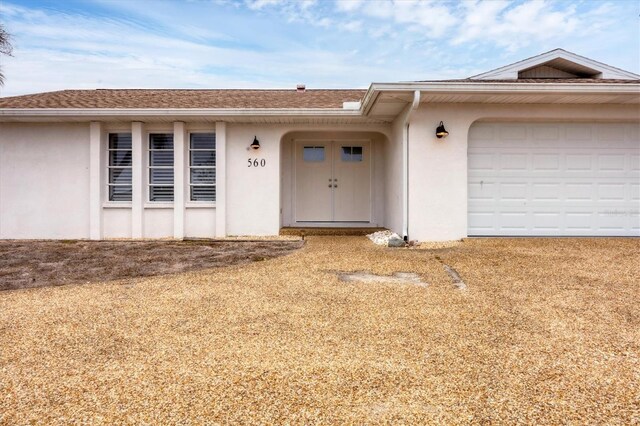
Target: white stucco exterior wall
253 193
393 177
438 167
44 180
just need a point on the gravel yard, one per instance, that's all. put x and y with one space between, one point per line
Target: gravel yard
546 332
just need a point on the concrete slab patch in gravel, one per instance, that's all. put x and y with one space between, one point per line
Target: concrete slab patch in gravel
395 278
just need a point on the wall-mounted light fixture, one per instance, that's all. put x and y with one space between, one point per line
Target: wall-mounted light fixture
441 132
255 144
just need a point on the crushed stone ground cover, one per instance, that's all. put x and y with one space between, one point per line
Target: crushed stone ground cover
548 332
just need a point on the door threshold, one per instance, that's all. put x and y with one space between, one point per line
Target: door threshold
329 230
333 225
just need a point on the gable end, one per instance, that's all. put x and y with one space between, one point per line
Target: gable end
557 64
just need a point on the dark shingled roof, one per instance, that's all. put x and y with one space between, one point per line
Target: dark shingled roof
229 98
178 98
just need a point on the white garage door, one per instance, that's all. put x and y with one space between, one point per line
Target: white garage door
552 179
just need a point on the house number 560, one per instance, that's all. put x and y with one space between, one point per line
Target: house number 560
254 162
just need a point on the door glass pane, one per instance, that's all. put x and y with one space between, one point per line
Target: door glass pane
313 154
356 153
345 153
351 153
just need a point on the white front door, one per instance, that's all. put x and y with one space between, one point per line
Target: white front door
333 181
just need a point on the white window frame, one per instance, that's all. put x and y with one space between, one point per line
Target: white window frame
109 167
189 166
150 167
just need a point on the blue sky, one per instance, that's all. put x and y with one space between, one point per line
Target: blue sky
278 43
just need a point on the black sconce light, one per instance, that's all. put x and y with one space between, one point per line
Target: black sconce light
441 132
255 144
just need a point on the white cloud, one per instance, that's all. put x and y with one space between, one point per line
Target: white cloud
499 23
433 18
348 5
260 4
353 26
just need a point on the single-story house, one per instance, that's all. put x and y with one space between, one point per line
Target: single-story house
548 146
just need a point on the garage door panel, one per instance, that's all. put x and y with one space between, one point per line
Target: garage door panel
512 132
482 191
634 165
578 222
545 191
635 192
514 162
547 221
578 132
608 163
546 162
578 163
513 191
578 191
613 132
546 133
612 192
554 179
481 162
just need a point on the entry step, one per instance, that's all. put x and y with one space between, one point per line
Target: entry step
328 231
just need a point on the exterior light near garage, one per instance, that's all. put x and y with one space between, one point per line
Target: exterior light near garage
441 132
255 144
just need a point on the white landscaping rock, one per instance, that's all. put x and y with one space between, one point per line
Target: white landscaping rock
382 238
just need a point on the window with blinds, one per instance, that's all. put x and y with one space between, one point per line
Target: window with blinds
161 167
119 168
202 166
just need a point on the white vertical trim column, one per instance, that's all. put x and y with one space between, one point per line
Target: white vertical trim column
221 179
137 179
179 144
95 182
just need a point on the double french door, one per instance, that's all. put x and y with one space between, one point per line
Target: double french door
333 181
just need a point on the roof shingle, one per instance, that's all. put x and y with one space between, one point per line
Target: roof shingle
179 98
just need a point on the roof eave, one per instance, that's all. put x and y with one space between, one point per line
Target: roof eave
206 112
498 88
508 87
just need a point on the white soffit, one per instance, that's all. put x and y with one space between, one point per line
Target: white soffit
561 60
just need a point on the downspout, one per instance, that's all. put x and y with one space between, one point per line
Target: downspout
405 165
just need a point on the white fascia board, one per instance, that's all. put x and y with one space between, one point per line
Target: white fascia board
511 71
375 89
454 87
177 112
